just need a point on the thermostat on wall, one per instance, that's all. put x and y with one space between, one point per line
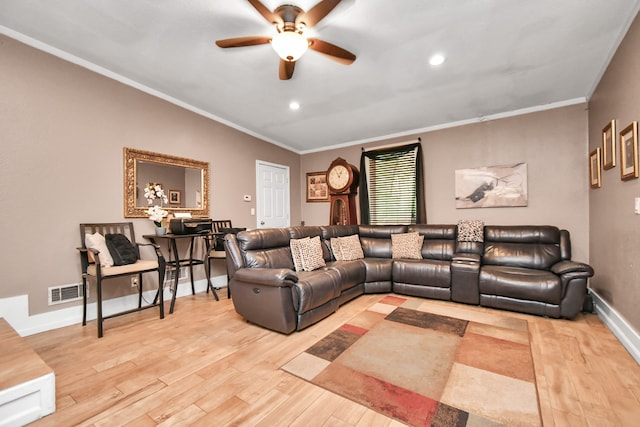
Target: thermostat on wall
247 197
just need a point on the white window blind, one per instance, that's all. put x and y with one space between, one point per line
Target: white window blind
392 185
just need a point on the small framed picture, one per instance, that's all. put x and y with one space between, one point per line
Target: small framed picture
594 169
629 152
609 145
174 197
317 189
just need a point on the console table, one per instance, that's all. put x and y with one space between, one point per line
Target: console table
176 262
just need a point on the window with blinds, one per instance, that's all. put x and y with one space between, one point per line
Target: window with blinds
391 189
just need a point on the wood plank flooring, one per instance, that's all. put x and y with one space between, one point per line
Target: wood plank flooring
205 366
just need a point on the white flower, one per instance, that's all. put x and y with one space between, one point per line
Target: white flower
154 191
151 192
156 214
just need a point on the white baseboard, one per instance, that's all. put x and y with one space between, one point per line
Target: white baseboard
28 401
618 325
16 309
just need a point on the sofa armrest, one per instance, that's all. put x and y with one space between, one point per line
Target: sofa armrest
465 271
578 269
267 276
574 276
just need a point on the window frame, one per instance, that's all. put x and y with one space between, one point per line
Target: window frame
380 214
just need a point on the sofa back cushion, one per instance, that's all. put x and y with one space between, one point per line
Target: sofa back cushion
266 248
439 240
300 232
522 246
376 239
333 231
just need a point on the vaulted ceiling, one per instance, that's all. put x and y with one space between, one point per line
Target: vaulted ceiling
502 57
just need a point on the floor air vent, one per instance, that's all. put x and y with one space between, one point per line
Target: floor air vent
66 293
171 275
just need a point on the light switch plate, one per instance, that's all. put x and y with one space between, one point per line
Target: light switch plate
637 206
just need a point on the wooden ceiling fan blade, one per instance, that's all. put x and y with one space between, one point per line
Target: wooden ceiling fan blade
286 69
243 41
316 13
332 51
271 17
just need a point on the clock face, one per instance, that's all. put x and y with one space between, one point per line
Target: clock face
338 177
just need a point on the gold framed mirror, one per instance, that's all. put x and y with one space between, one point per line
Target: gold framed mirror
185 183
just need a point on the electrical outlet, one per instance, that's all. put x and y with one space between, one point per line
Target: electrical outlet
134 281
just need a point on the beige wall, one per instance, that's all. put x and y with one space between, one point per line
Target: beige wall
615 229
63 129
553 144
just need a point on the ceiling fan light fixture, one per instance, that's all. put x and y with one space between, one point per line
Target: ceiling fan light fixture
290 45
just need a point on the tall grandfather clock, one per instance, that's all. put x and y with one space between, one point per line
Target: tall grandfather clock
342 180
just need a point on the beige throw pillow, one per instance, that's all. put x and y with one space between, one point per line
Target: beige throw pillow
296 253
96 241
347 248
336 249
406 245
309 251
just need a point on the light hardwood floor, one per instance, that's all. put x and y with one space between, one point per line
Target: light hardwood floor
205 366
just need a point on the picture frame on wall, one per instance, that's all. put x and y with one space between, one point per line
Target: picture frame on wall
317 189
629 152
594 169
174 197
609 145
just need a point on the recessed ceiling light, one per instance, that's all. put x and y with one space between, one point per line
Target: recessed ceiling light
294 105
436 59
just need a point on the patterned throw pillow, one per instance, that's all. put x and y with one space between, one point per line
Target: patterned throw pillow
351 248
336 249
296 253
347 248
406 245
470 231
308 251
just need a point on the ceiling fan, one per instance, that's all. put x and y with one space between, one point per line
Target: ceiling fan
290 43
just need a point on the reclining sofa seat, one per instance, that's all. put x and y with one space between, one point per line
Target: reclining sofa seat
269 292
429 277
376 245
529 269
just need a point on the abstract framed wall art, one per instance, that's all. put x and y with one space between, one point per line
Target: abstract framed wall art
491 186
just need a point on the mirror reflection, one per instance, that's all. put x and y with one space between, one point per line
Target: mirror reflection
182 185
184 182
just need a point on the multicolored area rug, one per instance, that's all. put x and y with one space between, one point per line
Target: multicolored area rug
426 369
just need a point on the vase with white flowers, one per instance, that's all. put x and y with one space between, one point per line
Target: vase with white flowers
156 214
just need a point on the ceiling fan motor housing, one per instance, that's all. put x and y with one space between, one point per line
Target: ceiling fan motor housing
289 13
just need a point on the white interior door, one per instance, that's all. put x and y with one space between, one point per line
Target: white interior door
272 195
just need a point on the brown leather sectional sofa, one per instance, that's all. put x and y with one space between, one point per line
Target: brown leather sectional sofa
520 268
